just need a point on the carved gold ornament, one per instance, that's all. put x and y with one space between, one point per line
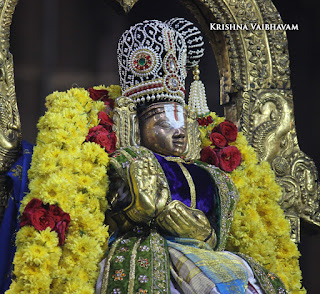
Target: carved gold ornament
127 4
10 129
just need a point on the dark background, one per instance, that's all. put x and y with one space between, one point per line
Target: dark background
58 44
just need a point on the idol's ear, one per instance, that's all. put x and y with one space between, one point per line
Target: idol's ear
10 128
126 124
194 142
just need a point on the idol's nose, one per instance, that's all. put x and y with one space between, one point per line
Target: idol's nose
179 133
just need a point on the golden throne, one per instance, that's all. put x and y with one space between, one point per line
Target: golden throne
255 92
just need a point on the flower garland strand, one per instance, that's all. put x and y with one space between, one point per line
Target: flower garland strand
259 228
70 174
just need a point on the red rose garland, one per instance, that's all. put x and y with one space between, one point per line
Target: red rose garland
218 140
227 129
203 121
220 153
102 95
103 134
229 158
42 216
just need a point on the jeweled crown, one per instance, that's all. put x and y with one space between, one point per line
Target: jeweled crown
153 57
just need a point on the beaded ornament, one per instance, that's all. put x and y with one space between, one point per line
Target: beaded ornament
152 62
153 59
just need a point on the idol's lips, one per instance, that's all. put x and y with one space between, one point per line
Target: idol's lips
178 142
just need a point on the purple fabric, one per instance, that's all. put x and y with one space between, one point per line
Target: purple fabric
178 184
205 188
206 194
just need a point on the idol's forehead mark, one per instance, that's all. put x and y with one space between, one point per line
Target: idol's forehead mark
175 115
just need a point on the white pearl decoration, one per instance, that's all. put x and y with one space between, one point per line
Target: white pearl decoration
197 98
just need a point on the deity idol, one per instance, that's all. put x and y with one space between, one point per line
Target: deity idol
170 213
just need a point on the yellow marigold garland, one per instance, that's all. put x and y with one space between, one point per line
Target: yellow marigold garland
259 228
71 174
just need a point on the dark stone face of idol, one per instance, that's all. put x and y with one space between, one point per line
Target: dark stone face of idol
164 131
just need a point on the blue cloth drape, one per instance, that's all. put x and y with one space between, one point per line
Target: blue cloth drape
18 177
226 272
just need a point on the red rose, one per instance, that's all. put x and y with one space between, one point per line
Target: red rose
208 155
62 221
205 121
41 219
35 214
109 103
103 137
107 140
209 120
227 129
56 212
61 227
102 95
42 216
229 158
26 215
93 132
105 121
33 205
218 140
201 121
98 94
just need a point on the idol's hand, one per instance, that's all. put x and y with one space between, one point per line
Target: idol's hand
182 221
149 188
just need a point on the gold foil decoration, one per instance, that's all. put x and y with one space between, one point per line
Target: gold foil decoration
127 4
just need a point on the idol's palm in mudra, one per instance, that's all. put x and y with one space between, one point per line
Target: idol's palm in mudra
150 190
179 220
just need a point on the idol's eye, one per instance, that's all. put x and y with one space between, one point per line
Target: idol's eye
164 124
